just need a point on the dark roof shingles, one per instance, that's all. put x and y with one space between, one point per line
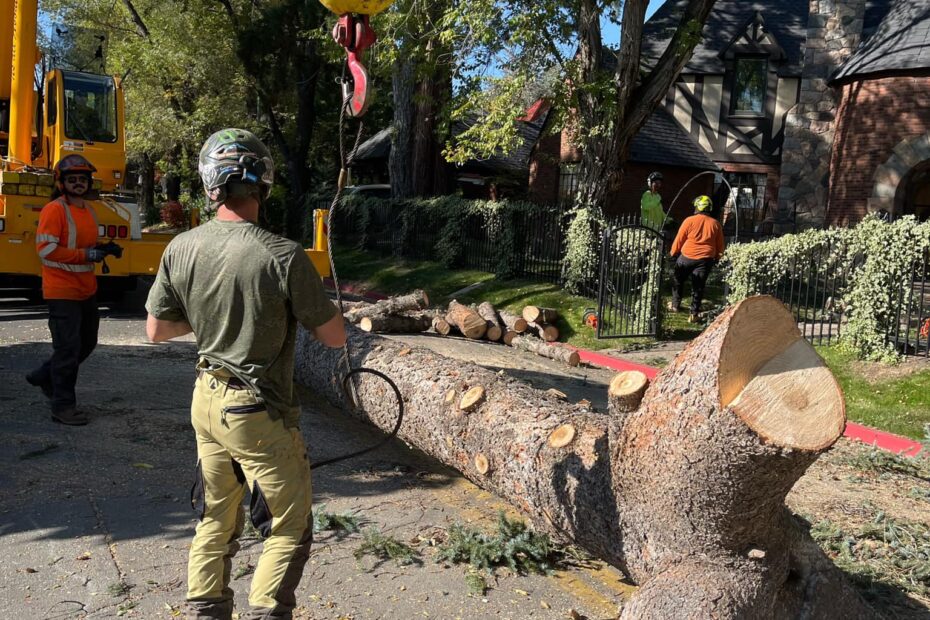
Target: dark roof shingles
898 39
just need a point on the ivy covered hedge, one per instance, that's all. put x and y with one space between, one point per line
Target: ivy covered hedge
876 257
438 228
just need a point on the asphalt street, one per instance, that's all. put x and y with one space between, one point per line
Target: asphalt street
95 522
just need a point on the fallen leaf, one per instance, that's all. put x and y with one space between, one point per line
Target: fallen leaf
143 466
545 605
83 556
30 570
521 592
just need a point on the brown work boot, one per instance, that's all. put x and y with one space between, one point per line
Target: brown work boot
70 416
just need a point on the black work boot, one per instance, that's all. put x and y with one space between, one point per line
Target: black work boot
208 610
33 378
70 416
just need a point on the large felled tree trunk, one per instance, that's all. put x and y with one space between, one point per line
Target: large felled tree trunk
685 494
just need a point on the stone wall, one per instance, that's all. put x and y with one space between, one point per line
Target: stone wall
834 28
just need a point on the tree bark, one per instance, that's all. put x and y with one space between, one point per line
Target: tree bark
466 320
561 354
441 326
399 161
416 300
489 314
513 322
395 324
686 495
548 333
147 189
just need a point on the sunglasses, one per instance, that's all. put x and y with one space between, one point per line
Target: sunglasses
74 179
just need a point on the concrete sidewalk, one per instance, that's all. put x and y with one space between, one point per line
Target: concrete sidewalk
96 521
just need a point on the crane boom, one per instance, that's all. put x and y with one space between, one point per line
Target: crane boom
22 103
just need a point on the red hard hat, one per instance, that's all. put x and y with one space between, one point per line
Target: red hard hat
73 164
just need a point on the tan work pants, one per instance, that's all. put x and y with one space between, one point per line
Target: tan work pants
238 444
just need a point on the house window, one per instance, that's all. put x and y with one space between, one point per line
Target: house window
568 182
750 85
747 208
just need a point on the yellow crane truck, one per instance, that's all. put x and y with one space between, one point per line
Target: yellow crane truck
79 113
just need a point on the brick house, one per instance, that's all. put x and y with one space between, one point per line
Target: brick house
816 111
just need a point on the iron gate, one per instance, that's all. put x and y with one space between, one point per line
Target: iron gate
630 283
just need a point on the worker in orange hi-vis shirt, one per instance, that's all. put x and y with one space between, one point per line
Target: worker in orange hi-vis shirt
66 241
696 249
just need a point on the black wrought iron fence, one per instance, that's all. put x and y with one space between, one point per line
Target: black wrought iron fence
910 328
814 285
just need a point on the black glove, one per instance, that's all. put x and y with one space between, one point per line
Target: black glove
94 255
110 248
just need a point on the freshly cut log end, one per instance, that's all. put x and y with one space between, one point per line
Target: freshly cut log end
562 436
775 382
472 398
537 314
466 320
513 322
489 314
494 333
508 337
548 333
626 391
441 326
482 465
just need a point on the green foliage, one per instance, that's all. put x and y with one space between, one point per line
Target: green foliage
581 248
513 545
884 462
450 215
343 522
876 256
883 550
386 547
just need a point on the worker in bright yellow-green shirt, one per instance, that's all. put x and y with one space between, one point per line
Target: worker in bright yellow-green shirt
651 213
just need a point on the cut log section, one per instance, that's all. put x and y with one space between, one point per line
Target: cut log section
537 314
441 326
533 345
678 495
416 300
508 336
466 320
562 436
548 333
495 327
395 324
472 398
626 391
513 322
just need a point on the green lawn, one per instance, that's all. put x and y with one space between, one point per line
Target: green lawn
900 405
391 276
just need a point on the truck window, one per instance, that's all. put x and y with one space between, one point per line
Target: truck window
52 98
90 108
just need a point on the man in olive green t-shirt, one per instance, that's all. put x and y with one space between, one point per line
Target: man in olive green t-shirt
242 291
651 212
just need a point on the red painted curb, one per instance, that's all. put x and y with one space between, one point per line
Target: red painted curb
880 439
874 437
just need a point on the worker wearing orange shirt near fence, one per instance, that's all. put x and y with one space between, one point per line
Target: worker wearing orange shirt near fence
696 249
66 242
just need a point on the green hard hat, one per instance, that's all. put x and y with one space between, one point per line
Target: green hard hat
234 156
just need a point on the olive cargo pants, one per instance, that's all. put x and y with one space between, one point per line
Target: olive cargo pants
239 444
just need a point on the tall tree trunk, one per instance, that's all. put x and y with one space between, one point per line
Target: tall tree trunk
685 494
147 189
401 156
429 167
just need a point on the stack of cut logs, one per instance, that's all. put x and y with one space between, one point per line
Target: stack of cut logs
405 314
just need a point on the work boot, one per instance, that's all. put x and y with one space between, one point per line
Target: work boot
70 416
208 610
32 378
